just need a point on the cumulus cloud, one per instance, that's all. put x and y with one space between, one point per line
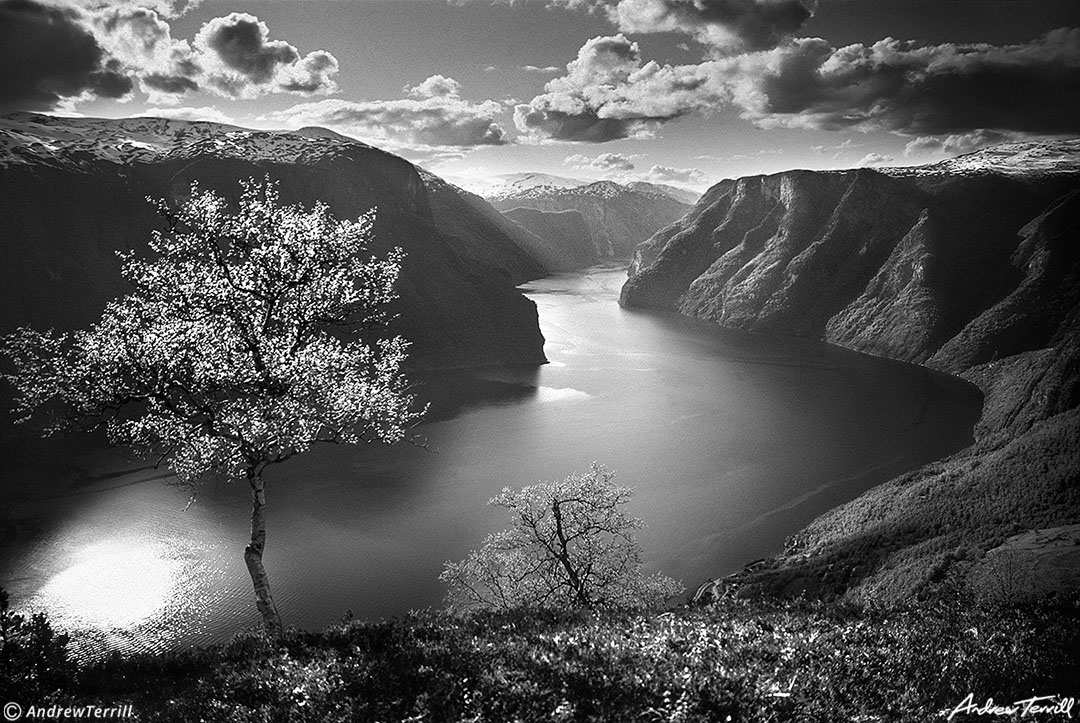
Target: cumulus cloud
903 87
537 69
956 144
725 25
52 55
436 116
605 162
669 174
874 159
48 54
168 9
241 61
166 68
607 93
435 87
911 88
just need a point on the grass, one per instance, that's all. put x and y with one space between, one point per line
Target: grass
737 660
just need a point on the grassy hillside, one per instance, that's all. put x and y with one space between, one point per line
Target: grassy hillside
736 661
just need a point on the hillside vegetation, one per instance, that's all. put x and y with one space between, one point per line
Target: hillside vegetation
737 661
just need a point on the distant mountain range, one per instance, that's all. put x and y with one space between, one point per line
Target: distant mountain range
618 217
72 192
970 266
507 185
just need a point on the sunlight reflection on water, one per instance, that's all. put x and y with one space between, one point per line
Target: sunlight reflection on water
113 584
566 394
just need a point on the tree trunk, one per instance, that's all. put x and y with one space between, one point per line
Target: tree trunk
253 557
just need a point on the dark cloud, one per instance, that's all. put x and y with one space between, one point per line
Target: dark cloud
540 119
242 43
48 54
727 25
170 84
607 93
915 89
242 61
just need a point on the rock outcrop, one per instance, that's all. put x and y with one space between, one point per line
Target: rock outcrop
73 190
971 266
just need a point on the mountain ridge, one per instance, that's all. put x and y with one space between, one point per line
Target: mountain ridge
72 192
960 266
618 217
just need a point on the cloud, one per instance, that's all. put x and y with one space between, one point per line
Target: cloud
435 87
241 61
874 159
168 9
537 69
195 114
425 121
605 162
956 144
903 87
48 53
140 38
607 93
669 174
53 55
911 88
726 25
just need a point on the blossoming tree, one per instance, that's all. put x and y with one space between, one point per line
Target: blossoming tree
570 544
250 336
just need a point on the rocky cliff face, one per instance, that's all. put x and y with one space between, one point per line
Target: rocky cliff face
972 267
618 217
72 191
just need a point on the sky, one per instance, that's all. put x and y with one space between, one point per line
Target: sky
686 92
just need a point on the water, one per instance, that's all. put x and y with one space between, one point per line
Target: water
732 441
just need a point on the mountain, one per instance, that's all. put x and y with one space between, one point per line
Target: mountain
682 195
505 184
970 266
72 192
474 221
618 217
565 232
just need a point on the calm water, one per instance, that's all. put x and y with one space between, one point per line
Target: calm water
732 441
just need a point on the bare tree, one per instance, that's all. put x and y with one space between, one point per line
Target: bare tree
250 336
570 544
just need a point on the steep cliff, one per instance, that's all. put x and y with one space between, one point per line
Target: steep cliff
618 217
72 192
971 266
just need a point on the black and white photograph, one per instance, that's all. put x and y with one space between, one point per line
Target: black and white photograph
514 361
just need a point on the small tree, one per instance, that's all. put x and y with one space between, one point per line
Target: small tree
570 545
242 345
